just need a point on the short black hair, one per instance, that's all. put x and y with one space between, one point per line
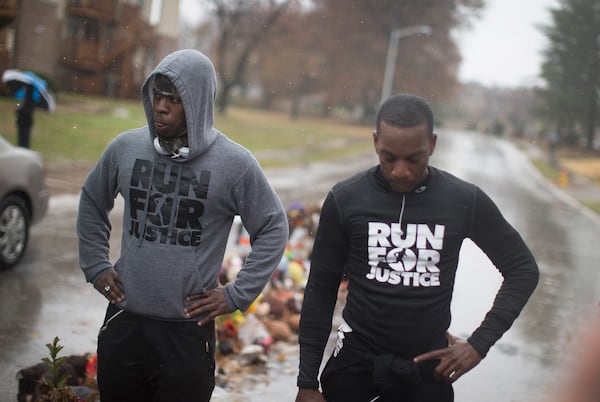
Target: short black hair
405 110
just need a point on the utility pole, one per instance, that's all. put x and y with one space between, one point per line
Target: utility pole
392 53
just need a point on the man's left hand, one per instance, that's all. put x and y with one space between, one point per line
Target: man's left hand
455 360
212 302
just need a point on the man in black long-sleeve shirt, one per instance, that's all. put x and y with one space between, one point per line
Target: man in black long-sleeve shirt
395 232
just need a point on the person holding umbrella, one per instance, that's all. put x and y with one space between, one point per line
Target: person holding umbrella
31 91
24 114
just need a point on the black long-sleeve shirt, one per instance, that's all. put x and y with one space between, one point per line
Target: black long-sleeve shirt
400 253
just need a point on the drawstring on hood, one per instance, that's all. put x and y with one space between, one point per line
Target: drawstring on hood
420 188
401 214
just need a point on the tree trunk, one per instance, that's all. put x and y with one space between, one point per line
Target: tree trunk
223 101
592 122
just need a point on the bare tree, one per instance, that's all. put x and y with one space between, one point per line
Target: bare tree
289 62
335 50
357 35
241 26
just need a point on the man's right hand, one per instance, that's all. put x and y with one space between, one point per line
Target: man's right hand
110 286
309 395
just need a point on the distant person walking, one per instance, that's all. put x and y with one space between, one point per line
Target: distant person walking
25 96
553 141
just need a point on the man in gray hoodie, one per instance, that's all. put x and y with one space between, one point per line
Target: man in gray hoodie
182 182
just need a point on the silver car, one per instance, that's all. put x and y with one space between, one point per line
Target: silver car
23 199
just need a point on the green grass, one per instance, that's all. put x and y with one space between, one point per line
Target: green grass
548 171
82 126
594 206
553 174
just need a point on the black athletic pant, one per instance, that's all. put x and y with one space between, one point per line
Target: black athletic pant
146 360
24 124
351 376
359 387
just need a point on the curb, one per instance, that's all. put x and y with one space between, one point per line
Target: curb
564 194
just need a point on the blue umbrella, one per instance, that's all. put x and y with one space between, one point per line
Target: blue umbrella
42 96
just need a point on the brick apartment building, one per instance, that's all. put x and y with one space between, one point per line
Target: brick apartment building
101 47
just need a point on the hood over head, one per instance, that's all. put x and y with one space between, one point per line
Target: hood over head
194 77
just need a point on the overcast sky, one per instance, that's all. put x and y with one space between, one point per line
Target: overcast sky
502 48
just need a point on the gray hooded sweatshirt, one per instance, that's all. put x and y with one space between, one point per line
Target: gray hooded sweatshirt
178 212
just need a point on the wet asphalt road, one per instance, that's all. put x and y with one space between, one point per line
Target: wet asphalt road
46 296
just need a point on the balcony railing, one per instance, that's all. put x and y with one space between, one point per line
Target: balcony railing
100 9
